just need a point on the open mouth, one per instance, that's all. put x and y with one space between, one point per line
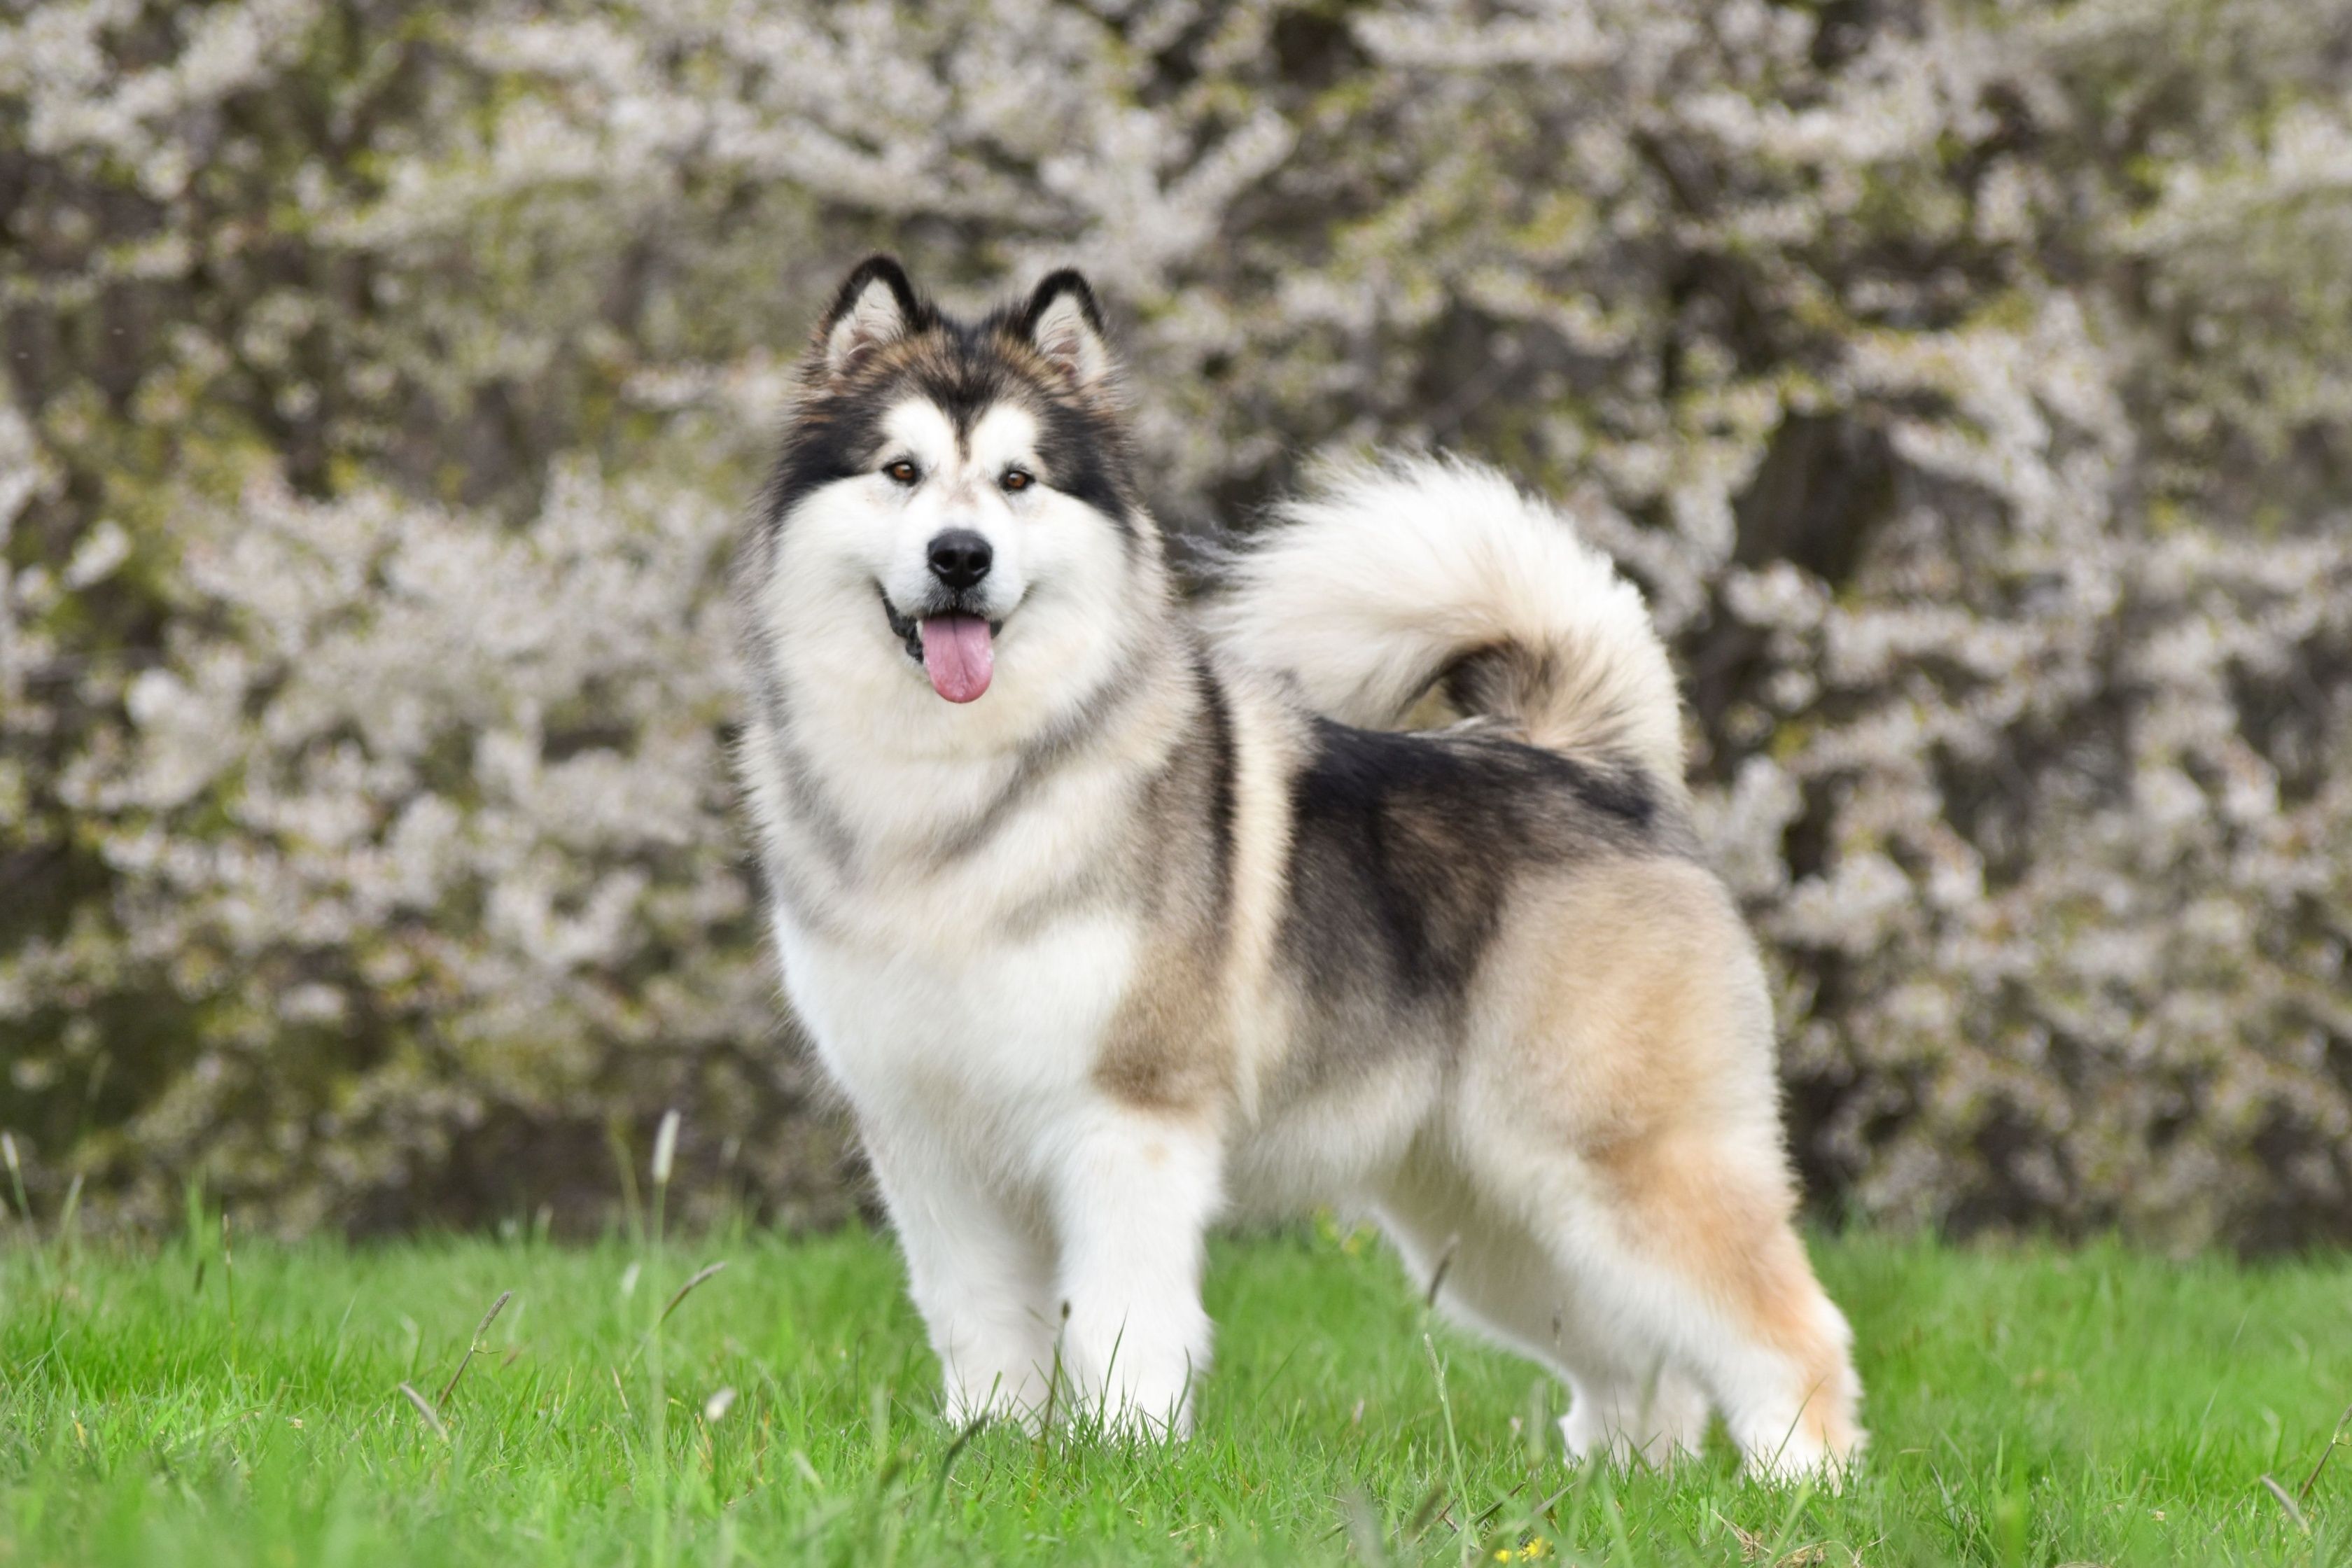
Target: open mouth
956 649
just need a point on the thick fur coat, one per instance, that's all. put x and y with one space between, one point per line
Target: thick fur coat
1111 916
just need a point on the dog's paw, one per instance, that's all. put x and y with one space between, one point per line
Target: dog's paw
1825 1464
1133 1416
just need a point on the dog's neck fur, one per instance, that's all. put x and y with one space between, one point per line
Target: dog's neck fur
895 796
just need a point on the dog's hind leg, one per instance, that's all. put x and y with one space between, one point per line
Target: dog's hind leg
1689 1262
1616 1098
1678 1252
1494 1275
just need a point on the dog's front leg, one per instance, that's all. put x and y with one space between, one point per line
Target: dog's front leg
979 1271
1134 1200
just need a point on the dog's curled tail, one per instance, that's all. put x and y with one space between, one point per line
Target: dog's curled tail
1386 581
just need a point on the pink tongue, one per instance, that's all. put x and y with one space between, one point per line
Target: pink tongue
958 655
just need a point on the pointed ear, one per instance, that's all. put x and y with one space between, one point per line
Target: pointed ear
1066 328
877 306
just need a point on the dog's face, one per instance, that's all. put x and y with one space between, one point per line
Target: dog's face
953 510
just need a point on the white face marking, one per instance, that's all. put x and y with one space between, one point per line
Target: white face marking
958 485
1005 439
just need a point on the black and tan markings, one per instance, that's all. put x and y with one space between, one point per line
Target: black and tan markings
1405 851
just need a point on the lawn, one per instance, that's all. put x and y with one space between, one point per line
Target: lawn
2030 1404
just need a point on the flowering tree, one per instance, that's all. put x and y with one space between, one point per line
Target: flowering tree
1967 385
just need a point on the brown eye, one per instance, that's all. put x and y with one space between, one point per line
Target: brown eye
1017 479
903 472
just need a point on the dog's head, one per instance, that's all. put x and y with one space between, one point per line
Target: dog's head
953 503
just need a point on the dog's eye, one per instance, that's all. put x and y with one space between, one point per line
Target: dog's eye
1017 479
904 472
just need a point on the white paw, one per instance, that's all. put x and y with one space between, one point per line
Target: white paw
1805 1457
1019 1401
1138 1415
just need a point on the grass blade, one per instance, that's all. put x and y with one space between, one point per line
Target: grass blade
2335 1439
2287 1503
472 1345
431 1420
705 1272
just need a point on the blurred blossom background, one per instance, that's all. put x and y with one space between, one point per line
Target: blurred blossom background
1969 385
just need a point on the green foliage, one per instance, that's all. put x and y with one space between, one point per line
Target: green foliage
197 1406
1966 384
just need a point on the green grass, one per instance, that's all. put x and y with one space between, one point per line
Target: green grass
2029 1405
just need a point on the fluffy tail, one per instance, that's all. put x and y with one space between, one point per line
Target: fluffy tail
1389 581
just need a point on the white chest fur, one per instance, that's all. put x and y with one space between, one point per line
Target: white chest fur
968 1032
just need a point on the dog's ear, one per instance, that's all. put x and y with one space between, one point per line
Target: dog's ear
877 306
1064 323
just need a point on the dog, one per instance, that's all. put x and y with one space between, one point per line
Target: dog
1110 913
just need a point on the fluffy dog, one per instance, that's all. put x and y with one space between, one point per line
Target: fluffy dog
1110 917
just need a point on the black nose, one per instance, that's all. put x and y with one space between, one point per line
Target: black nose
961 558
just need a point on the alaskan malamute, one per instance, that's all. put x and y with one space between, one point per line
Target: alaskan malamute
1111 916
